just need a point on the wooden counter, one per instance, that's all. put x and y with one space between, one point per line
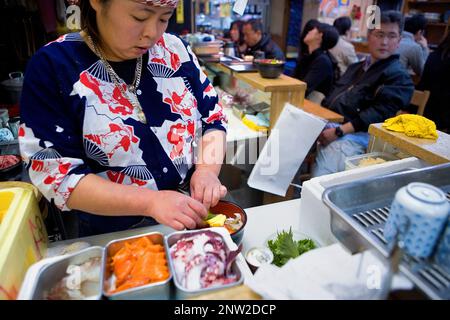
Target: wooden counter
283 89
431 151
322 112
241 292
361 47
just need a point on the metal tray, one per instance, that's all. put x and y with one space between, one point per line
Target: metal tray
157 291
359 211
183 293
53 272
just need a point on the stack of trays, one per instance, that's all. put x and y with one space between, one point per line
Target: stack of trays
66 273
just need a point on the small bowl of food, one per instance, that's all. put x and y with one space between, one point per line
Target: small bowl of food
230 216
258 256
10 165
270 68
289 244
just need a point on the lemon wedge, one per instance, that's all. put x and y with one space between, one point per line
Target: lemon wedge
217 221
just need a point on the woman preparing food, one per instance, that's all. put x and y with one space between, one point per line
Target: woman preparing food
118 116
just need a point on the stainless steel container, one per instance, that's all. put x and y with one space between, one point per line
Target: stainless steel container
13 86
359 211
154 291
49 275
207 48
182 293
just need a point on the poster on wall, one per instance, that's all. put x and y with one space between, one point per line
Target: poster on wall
329 10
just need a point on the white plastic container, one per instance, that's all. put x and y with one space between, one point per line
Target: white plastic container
355 161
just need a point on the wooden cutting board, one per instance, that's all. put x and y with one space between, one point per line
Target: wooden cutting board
241 292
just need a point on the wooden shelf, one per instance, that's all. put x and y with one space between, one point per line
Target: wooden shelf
436 24
429 2
283 83
434 30
431 151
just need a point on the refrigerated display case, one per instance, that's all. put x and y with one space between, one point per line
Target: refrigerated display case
215 16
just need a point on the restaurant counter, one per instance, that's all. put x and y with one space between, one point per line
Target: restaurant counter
260 225
282 90
431 151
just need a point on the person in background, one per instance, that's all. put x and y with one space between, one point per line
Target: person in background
237 36
257 40
436 79
370 91
344 51
316 67
413 48
309 25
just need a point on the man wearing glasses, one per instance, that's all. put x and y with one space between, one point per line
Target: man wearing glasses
370 91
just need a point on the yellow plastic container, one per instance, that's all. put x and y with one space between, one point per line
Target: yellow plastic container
252 125
23 238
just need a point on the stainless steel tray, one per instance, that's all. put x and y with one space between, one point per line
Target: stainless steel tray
359 211
182 293
157 290
52 273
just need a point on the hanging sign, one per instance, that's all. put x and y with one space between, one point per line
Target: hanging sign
180 12
207 7
239 6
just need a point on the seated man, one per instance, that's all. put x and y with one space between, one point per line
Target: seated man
369 92
413 48
256 40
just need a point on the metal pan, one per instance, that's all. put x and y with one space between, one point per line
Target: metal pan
156 290
49 275
183 293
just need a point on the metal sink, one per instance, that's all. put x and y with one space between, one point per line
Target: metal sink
360 209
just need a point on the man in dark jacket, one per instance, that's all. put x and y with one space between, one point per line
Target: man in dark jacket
370 91
257 40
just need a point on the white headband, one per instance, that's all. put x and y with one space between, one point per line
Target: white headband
161 3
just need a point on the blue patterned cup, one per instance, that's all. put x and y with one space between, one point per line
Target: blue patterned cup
442 256
417 216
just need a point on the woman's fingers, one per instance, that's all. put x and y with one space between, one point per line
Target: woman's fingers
187 221
207 197
198 208
194 216
215 196
198 193
223 191
174 224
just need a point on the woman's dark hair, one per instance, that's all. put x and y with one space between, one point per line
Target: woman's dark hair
89 20
342 25
330 36
415 23
311 24
240 26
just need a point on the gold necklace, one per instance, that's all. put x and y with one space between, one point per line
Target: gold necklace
130 94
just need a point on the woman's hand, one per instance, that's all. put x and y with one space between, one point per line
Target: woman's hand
206 187
177 210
